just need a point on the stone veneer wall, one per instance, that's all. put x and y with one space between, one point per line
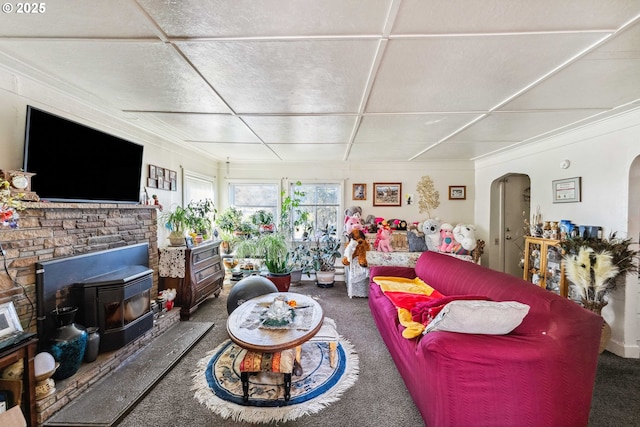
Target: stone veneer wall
53 230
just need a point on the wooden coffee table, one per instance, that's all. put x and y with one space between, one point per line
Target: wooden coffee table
268 340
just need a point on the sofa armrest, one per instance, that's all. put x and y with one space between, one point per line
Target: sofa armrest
385 270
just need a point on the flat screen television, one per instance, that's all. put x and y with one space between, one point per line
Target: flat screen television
75 163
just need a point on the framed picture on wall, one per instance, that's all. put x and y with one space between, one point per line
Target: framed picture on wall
567 190
359 192
457 192
387 194
153 173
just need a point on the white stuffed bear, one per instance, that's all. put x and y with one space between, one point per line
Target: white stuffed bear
465 235
431 230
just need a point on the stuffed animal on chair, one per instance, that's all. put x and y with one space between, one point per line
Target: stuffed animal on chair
356 249
431 230
465 236
447 240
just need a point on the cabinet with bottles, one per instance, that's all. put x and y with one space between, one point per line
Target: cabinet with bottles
543 264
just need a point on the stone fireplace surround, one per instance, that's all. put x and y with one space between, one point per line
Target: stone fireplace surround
52 230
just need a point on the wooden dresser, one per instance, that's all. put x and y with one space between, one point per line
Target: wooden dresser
196 273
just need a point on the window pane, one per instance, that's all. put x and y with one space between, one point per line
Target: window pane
321 202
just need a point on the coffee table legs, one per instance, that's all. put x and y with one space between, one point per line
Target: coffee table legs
244 377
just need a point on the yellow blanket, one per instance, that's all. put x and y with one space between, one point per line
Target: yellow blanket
404 294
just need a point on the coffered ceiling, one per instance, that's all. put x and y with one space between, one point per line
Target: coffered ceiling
336 80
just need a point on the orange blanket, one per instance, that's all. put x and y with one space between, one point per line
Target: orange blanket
405 294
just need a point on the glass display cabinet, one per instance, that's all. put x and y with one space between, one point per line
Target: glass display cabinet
543 264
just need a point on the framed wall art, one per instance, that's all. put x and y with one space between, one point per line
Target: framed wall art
359 192
567 190
162 178
457 192
387 194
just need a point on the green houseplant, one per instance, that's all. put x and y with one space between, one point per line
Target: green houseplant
177 222
201 216
325 252
276 259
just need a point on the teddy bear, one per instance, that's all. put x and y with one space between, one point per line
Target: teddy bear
431 230
447 240
465 235
383 238
356 249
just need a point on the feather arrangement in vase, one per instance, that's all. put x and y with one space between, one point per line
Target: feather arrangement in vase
595 265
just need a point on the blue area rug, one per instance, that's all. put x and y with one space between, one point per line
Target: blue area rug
217 384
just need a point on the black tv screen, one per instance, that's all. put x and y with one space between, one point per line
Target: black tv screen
75 163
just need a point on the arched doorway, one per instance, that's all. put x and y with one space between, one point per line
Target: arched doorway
510 206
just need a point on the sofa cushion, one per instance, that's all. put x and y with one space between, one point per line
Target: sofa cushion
479 317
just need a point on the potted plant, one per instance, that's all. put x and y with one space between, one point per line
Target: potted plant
276 259
263 220
201 217
291 216
301 262
325 252
230 220
177 221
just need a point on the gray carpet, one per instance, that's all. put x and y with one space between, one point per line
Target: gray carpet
379 397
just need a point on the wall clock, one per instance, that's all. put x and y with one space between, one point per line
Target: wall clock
20 184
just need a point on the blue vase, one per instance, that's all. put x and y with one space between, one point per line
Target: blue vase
68 343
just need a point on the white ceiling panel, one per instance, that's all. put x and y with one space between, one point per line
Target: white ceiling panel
238 152
302 129
497 16
466 73
306 81
312 76
514 127
604 78
457 151
397 151
130 75
397 128
272 18
310 152
74 18
207 127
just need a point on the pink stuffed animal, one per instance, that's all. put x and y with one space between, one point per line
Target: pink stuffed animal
383 238
447 240
353 222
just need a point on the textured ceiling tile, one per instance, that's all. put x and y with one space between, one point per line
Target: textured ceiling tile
208 127
302 129
236 152
396 128
310 152
76 18
513 127
462 151
466 73
129 75
251 18
286 76
487 16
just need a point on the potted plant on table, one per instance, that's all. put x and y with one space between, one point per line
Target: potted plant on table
325 252
201 216
177 221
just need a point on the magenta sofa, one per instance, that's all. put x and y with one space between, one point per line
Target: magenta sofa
540 374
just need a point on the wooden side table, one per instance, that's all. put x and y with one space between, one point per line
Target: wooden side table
25 351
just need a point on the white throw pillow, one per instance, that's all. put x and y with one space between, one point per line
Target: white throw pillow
479 317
